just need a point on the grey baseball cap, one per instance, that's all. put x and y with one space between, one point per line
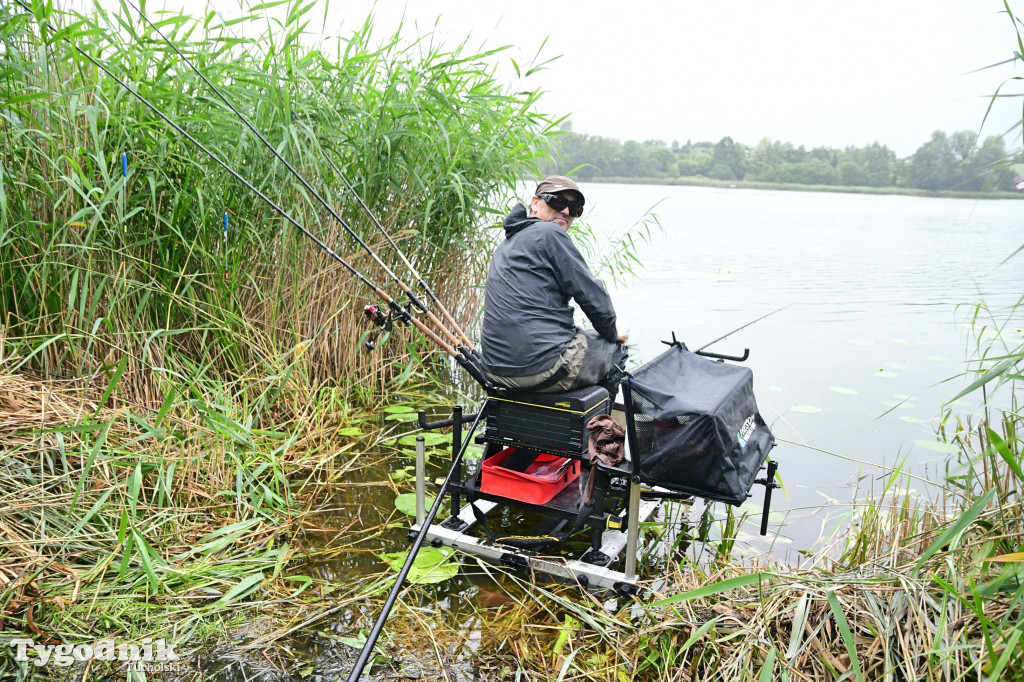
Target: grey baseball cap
558 183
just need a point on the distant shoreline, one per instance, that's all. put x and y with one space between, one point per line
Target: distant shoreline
790 187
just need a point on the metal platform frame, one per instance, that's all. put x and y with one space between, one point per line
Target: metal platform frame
612 532
587 574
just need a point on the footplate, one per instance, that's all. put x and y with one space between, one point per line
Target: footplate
614 542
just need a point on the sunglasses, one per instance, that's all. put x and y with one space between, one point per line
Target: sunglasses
559 203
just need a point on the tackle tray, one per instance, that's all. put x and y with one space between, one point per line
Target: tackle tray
527 476
549 422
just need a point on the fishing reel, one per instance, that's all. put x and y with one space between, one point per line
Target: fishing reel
382 320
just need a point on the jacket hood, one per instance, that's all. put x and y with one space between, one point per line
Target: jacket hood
517 220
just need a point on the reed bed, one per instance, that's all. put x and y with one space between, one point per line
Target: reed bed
180 408
100 268
175 523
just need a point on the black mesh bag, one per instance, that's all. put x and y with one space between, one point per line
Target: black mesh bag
695 428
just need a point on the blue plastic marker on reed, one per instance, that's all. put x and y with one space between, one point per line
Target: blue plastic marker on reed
124 187
225 244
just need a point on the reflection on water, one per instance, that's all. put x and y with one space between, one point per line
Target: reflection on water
883 289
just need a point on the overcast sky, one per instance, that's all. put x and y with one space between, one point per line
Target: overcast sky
810 72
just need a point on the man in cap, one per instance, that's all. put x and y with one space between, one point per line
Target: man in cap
530 341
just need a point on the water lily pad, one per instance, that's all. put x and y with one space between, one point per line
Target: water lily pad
896 365
404 473
429 439
913 420
805 409
395 409
431 565
406 503
860 342
402 417
349 431
431 453
843 390
898 403
776 389
886 374
937 446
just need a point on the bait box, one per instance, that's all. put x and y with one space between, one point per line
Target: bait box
543 476
548 422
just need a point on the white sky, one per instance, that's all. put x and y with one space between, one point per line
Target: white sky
810 72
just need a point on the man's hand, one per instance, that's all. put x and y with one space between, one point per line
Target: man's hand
623 335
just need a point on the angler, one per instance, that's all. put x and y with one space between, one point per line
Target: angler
528 336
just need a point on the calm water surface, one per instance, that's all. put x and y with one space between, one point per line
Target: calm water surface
877 286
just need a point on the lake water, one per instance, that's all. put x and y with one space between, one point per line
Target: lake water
852 376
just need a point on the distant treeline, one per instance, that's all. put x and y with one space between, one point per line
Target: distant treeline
945 162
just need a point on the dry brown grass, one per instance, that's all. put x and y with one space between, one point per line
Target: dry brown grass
121 519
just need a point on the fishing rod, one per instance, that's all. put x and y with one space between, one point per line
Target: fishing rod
725 336
396 308
456 340
419 279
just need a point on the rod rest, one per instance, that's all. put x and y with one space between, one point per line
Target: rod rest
700 351
769 485
429 426
719 356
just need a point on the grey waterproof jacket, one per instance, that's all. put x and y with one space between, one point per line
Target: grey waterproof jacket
528 322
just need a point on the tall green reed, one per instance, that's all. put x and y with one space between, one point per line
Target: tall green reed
97 266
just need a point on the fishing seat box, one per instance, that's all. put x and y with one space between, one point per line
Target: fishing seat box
549 422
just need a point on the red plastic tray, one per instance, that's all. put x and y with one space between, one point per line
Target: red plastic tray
544 478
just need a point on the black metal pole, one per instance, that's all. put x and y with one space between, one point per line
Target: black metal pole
456 446
371 639
769 485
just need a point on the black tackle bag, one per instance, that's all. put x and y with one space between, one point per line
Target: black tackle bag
694 426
